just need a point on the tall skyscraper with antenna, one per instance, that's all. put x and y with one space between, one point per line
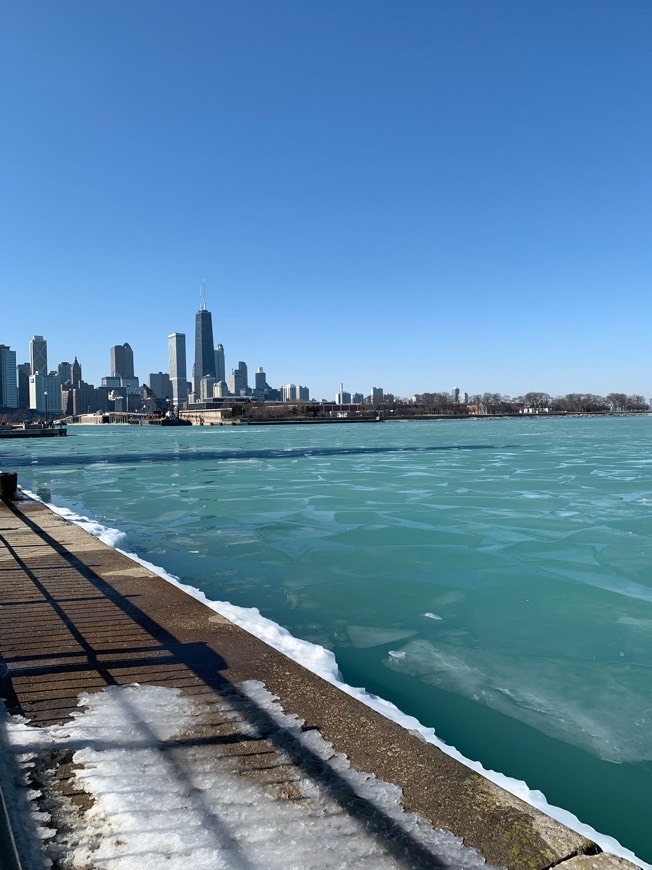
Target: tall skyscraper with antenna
204 347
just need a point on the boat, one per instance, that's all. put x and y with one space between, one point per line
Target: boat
165 421
34 430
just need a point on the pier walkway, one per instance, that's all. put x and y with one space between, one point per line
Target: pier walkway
155 732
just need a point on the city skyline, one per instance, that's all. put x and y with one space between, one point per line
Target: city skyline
376 194
181 388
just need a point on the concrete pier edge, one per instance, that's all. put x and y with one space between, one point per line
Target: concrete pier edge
505 830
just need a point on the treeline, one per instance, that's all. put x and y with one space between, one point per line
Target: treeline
444 404
496 403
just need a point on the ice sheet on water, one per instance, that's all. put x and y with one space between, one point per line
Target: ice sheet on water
580 702
364 637
160 799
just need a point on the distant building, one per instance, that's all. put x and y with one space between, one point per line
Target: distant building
45 393
376 395
294 393
220 371
262 388
64 372
220 390
161 384
111 383
38 355
132 386
204 349
102 394
76 373
342 397
357 398
455 395
122 361
206 387
23 372
289 392
8 381
80 400
177 361
239 380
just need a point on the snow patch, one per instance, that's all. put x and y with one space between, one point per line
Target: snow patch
162 797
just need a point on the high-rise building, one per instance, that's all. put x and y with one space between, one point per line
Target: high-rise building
8 382
239 380
343 397
38 355
376 394
161 384
177 358
63 370
24 370
220 371
294 393
204 348
76 373
206 386
261 379
122 361
80 400
45 393
132 385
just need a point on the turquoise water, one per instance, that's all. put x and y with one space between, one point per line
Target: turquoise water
492 578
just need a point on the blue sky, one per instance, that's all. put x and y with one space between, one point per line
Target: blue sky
414 195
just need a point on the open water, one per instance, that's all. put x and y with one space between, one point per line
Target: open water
492 578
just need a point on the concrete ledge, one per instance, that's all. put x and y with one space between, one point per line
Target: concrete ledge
84 615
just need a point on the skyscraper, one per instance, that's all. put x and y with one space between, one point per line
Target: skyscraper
8 383
204 348
45 393
219 363
239 380
23 370
122 361
76 373
159 383
38 355
261 380
177 357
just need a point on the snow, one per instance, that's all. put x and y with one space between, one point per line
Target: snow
163 796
